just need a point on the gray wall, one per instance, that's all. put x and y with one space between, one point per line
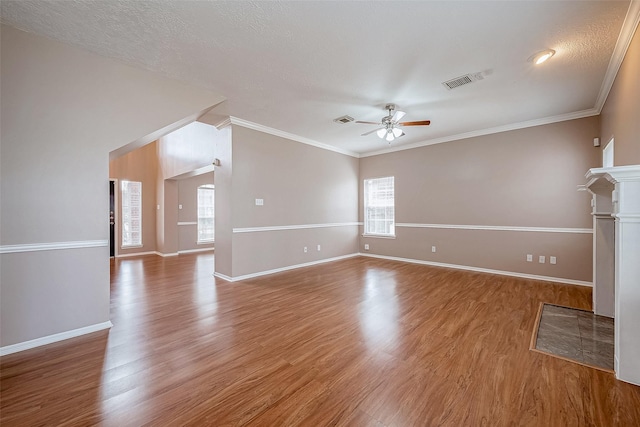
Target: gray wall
521 178
63 111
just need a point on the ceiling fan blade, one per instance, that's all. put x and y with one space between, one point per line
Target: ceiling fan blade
368 123
371 131
398 116
418 123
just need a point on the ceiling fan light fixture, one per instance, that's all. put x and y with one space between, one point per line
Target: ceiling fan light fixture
381 132
540 57
396 132
390 137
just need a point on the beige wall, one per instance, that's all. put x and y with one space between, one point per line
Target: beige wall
138 165
621 112
300 185
223 200
521 178
63 111
188 198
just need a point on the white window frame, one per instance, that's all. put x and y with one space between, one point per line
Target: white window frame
207 187
131 208
383 205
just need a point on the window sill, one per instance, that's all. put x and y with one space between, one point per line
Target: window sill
131 247
205 242
380 236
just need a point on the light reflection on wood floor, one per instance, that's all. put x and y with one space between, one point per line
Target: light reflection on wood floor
355 342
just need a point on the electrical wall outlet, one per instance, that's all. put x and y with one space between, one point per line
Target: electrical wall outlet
433 248
259 202
552 260
366 246
529 258
305 249
318 248
541 259
179 206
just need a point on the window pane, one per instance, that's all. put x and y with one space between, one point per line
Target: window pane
131 213
379 206
206 213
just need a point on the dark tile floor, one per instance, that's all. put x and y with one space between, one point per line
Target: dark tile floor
576 334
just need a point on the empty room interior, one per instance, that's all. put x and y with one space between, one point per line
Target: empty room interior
320 213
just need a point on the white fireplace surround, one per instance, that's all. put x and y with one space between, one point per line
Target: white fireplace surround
616 260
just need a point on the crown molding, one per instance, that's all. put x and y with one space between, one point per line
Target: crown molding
276 132
627 31
498 129
224 123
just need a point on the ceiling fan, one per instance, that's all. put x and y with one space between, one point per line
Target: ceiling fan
390 125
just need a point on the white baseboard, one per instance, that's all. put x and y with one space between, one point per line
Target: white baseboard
14 348
166 255
484 270
281 269
136 254
223 277
190 251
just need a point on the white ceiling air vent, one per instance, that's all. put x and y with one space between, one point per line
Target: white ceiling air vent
344 119
463 80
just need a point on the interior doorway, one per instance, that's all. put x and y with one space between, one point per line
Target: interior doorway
112 218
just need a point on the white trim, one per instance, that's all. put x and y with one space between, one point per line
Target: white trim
294 227
224 123
489 131
484 270
223 277
282 134
281 269
626 217
137 254
131 247
205 242
34 247
629 26
379 236
165 255
26 345
614 174
189 251
498 228
188 223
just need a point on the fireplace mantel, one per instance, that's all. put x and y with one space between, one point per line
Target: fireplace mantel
616 259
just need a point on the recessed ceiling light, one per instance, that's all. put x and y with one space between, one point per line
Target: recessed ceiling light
540 57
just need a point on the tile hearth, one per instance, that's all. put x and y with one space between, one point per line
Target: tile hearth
577 335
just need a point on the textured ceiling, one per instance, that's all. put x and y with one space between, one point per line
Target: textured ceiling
295 66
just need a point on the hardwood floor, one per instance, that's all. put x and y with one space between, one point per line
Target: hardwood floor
362 342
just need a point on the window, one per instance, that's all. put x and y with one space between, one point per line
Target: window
206 213
379 209
607 155
131 213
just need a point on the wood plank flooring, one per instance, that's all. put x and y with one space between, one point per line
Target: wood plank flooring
361 342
